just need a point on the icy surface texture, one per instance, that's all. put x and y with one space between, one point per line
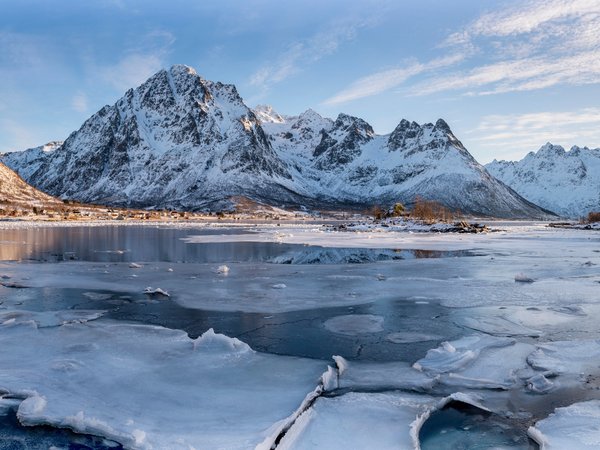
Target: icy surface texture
572 427
360 421
150 387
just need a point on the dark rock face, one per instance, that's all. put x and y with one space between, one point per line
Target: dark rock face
181 141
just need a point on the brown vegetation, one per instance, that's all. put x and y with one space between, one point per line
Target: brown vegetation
432 211
593 217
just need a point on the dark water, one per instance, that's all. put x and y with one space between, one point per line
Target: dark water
299 333
296 333
14 436
459 426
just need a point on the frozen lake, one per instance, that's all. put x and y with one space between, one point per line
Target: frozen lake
435 343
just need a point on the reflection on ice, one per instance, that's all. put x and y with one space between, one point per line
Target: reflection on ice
72 357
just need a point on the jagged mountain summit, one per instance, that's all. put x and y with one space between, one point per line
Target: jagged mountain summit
181 141
566 182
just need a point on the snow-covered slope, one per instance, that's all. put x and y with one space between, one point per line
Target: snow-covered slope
28 161
345 161
566 182
181 141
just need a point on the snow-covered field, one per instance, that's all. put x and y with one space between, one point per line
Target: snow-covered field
322 339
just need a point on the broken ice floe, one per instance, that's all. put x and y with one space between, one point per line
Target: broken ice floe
571 427
257 394
359 420
380 376
222 270
45 319
522 278
156 292
567 357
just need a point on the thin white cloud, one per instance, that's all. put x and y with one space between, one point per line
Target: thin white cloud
528 45
382 81
132 70
79 102
534 45
142 59
519 75
299 54
512 136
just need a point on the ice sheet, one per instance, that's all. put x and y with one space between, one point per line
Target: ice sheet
567 357
359 421
456 355
150 387
382 376
572 427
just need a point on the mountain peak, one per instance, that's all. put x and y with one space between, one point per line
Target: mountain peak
266 114
182 69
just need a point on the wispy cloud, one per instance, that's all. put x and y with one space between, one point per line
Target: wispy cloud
132 70
302 53
528 45
382 81
79 102
140 61
517 134
534 45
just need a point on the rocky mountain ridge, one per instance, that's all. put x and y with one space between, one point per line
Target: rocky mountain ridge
566 182
181 141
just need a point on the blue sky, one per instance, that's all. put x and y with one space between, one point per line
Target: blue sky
506 75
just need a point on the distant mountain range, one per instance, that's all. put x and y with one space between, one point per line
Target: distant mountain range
566 182
180 141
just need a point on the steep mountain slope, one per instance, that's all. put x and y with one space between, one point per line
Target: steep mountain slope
181 141
177 140
567 182
16 192
345 161
30 160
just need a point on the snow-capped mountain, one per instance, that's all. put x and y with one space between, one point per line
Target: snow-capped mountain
181 141
566 182
16 192
30 160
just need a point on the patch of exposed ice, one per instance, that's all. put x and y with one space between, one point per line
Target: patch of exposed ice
156 292
319 255
97 295
567 357
46 319
497 326
456 355
355 324
358 375
409 337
